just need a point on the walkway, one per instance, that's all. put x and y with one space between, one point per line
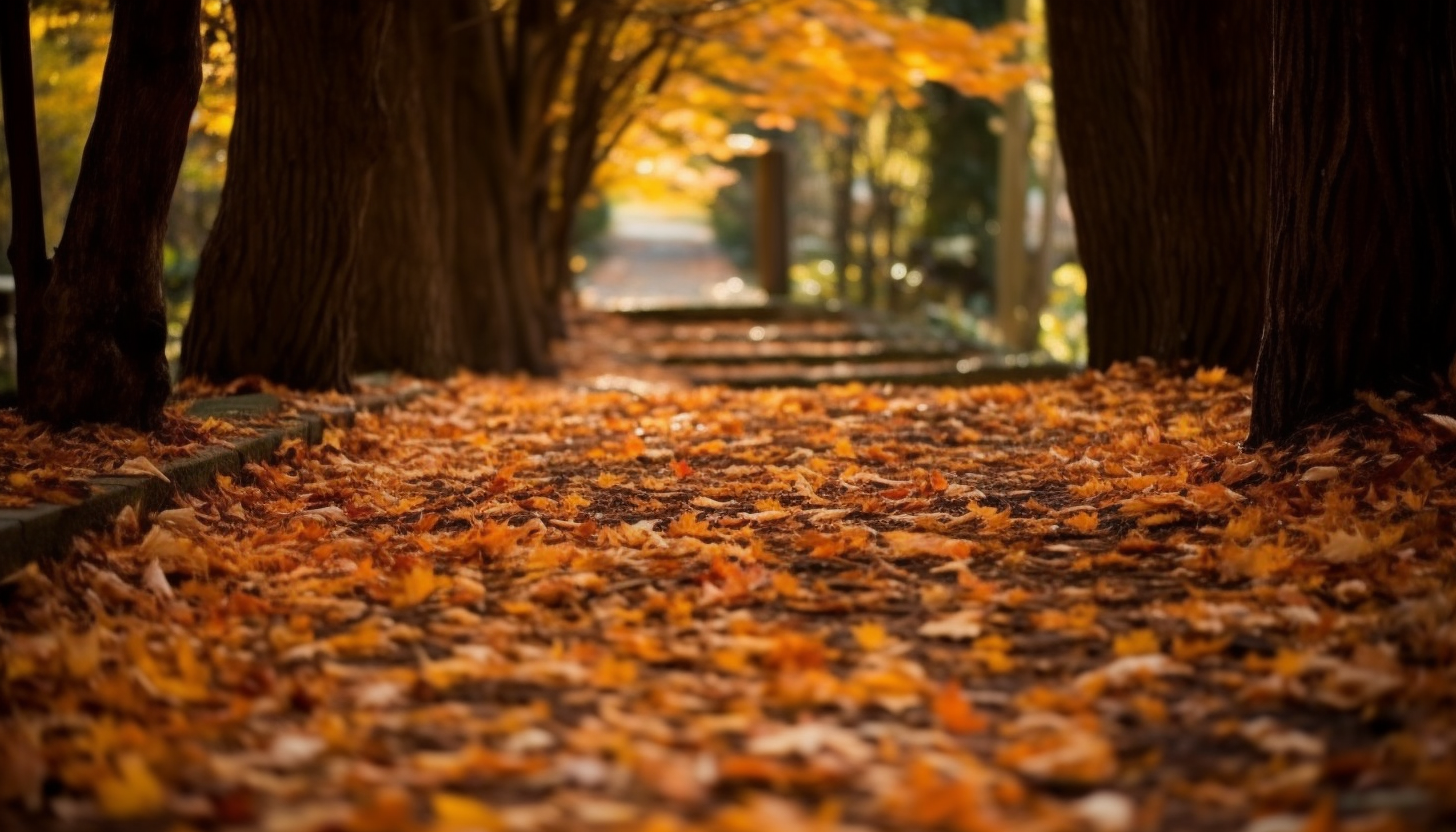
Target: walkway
1072 606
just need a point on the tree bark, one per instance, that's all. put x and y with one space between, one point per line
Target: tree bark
1162 113
841 183
1362 213
276 286
27 251
1208 79
1102 116
405 293
500 330
99 353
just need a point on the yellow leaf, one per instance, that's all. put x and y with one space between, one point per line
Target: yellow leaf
415 586
132 792
457 813
82 652
1136 643
870 636
1210 377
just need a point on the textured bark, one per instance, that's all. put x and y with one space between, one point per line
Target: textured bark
27 249
98 356
1162 112
277 280
1362 235
405 308
497 330
1208 84
1097 52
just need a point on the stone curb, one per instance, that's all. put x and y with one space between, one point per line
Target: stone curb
44 531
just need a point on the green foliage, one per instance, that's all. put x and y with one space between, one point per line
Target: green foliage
593 220
731 215
964 150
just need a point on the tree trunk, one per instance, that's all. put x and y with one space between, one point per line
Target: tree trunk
1161 109
405 307
501 328
1208 80
841 182
99 355
1013 311
276 286
1362 233
27 249
771 240
1041 263
1102 116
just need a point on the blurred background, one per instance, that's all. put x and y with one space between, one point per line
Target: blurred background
950 215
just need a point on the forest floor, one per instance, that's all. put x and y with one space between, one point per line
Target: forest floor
1072 605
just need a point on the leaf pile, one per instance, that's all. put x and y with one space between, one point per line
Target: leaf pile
516 606
42 464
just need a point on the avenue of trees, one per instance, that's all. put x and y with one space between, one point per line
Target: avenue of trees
403 178
1262 186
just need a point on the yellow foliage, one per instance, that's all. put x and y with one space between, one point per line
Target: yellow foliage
457 813
132 792
1136 643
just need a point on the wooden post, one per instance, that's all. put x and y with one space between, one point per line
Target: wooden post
772 243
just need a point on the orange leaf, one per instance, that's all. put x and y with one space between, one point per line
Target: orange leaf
955 713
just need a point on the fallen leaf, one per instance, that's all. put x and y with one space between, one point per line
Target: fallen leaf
142 467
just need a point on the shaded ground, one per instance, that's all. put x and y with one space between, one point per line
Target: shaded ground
1068 605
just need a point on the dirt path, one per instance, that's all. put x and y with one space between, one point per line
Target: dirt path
1061 606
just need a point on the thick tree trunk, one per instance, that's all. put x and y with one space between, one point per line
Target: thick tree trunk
1362 234
277 280
406 313
99 355
499 328
1102 117
1208 80
1162 110
27 249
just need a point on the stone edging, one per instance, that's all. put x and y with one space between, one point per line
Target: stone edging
45 530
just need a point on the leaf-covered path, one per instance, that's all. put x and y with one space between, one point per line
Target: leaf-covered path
1059 606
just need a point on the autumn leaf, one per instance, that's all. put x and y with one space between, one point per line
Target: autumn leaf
141 466
955 713
1136 643
457 813
870 636
415 586
131 791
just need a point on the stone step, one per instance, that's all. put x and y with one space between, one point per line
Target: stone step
960 372
864 350
721 314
